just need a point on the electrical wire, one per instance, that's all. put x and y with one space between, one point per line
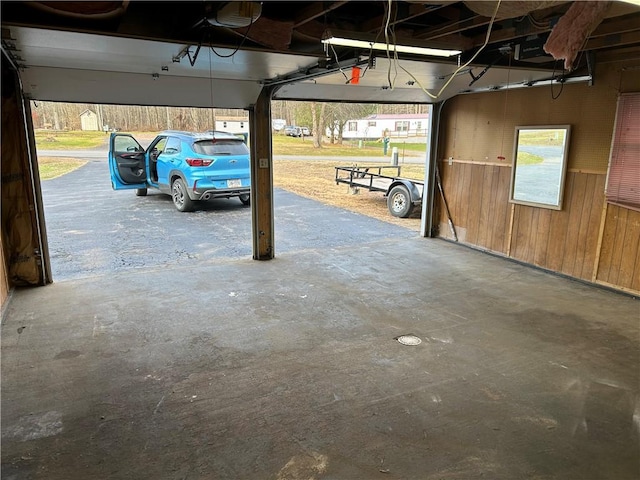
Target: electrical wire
371 59
213 117
244 38
536 23
386 40
506 103
553 96
453 75
348 80
396 61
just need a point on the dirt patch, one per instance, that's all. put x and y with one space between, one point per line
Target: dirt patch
316 180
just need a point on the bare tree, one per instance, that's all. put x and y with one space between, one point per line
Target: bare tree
318 121
66 116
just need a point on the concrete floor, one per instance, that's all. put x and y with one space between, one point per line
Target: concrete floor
289 370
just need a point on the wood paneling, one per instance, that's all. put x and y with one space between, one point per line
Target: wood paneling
620 252
575 198
480 127
478 203
4 279
562 240
583 240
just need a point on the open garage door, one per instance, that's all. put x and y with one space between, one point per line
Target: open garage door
24 238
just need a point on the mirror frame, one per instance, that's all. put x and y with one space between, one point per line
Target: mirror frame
563 171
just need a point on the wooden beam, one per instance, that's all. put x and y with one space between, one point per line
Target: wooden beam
315 10
415 10
613 40
507 34
454 41
628 23
274 34
262 176
457 26
619 55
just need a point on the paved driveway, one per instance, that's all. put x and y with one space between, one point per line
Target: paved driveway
94 230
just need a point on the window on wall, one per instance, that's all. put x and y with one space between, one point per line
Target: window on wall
623 177
353 126
371 124
539 165
402 126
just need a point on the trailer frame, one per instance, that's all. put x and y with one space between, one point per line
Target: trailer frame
403 194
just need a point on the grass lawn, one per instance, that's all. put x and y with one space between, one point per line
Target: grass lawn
315 179
283 145
71 140
52 167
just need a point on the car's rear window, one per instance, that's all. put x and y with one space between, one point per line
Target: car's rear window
220 147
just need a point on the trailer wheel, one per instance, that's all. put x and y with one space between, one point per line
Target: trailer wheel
399 202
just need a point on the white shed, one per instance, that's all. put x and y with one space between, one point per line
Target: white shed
89 120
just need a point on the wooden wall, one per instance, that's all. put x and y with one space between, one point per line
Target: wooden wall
619 259
588 239
4 279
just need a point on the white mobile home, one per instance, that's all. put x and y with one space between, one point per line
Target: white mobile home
395 126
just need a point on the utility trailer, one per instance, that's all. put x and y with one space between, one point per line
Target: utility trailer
403 194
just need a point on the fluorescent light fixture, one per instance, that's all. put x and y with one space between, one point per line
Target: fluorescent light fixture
349 42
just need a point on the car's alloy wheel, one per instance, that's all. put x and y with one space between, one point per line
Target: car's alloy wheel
180 196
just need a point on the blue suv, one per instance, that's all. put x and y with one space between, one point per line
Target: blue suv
188 166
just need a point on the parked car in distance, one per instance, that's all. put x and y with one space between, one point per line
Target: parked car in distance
188 166
292 131
305 131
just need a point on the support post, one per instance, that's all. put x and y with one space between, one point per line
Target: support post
262 176
427 228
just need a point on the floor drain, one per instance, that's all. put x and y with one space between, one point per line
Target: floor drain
409 340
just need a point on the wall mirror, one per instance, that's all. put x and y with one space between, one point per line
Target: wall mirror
539 165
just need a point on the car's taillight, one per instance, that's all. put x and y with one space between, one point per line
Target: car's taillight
198 162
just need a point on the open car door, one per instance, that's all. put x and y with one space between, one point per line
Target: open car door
127 162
